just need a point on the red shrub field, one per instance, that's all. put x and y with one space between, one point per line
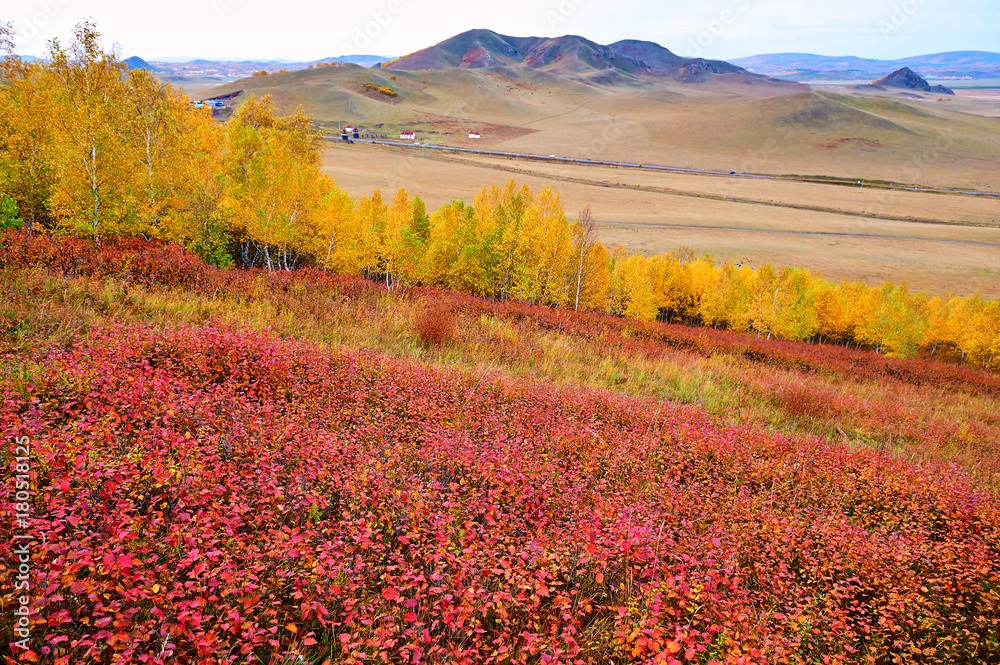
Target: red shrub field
211 492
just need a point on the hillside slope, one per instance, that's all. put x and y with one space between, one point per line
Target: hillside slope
216 438
727 121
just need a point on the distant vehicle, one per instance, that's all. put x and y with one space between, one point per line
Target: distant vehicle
210 103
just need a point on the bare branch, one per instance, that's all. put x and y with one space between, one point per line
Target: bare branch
6 38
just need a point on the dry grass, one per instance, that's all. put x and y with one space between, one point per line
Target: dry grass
749 235
752 128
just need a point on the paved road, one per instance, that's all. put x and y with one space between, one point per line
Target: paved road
808 233
651 167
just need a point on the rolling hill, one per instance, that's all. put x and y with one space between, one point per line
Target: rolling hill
570 56
135 62
639 102
360 59
193 69
908 79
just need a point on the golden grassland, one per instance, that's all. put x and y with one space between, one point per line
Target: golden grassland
769 129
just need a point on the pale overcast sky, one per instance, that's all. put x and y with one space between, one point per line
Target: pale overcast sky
302 30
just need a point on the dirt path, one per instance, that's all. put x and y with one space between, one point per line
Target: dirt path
744 229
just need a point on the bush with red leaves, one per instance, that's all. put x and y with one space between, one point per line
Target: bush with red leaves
435 324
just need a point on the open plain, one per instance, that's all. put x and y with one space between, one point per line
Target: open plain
939 243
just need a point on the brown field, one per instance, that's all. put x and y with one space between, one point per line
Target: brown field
648 220
985 102
197 87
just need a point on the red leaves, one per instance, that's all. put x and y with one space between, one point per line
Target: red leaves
441 516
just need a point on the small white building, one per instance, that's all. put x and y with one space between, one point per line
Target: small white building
407 135
474 135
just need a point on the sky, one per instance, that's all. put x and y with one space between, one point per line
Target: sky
303 30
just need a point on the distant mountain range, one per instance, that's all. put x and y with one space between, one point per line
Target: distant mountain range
202 67
809 66
570 57
135 62
363 60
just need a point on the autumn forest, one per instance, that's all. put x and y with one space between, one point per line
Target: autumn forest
96 150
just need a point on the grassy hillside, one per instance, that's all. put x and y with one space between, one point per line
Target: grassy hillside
236 466
337 93
722 125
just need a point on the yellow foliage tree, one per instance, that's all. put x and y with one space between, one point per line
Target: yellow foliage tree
95 185
25 138
795 315
336 236
728 303
272 184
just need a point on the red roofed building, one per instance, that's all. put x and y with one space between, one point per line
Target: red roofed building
407 135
